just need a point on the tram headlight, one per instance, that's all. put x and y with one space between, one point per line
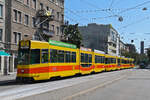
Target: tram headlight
22 71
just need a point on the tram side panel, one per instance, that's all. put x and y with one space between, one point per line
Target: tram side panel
64 61
99 62
86 65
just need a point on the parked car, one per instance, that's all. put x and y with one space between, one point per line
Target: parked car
142 65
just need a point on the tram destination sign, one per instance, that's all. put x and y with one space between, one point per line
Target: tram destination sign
62 44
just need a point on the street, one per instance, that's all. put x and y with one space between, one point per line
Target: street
117 85
74 50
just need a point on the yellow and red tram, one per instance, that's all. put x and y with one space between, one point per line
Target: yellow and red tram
43 60
86 61
99 61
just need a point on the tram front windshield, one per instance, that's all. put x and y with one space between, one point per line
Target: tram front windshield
23 57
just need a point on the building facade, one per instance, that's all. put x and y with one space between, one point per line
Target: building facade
21 19
101 37
131 48
2 33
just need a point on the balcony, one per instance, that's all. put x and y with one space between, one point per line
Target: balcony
47 32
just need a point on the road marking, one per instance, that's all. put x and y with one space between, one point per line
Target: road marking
94 88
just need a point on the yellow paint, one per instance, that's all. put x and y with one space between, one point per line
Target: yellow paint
45 76
46 45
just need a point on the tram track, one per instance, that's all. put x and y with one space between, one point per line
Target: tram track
102 85
35 89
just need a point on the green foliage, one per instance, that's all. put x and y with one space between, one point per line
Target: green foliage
72 35
137 57
148 53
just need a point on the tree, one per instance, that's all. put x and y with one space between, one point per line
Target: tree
134 55
148 53
72 35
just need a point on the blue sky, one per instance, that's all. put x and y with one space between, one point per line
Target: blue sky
135 24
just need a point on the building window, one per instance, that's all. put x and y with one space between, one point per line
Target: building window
26 20
26 2
20 16
53 27
62 17
34 4
33 22
57 30
25 35
53 11
57 15
17 37
1 10
47 8
41 6
15 15
1 35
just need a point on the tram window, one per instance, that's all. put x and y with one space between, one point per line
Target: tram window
103 59
44 56
53 56
86 58
73 56
114 60
23 57
106 60
109 60
95 59
125 61
100 59
122 61
68 56
119 61
61 56
90 58
82 57
35 56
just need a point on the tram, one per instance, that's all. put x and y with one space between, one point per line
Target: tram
39 60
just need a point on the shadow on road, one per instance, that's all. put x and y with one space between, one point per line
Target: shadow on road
14 82
9 82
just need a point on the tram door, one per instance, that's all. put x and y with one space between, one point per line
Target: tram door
118 62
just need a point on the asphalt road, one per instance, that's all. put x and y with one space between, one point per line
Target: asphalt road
130 84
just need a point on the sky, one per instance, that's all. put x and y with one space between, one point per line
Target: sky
136 21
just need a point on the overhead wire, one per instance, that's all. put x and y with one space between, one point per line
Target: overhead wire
99 9
138 21
125 10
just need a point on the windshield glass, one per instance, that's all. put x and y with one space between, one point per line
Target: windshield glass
23 57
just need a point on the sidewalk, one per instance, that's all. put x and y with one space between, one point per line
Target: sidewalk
10 77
